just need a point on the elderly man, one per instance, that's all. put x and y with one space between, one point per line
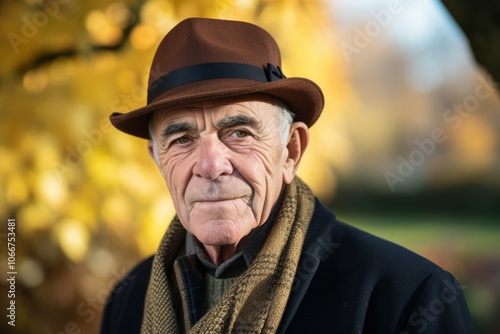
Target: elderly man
251 250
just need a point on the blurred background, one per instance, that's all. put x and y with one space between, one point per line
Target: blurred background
407 148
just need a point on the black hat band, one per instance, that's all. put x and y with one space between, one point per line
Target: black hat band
210 71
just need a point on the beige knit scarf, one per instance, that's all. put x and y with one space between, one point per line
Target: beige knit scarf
256 301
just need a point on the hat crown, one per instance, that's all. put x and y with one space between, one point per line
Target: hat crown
202 41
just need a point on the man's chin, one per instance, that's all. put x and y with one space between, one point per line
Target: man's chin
218 232
217 241
217 235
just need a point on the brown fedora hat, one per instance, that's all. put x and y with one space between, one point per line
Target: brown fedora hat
202 59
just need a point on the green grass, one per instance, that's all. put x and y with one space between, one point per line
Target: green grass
480 236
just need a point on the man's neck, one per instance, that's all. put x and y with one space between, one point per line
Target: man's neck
220 254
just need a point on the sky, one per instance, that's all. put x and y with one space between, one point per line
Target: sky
422 30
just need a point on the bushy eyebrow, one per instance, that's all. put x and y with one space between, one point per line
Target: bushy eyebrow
226 122
174 128
237 120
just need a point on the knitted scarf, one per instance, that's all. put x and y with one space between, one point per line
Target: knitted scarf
256 301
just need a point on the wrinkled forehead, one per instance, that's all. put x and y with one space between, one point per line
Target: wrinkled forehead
253 102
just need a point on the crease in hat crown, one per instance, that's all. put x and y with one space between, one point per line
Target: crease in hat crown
203 59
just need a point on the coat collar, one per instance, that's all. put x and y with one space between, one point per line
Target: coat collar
318 246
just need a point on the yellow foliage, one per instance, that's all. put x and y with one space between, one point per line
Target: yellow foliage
73 238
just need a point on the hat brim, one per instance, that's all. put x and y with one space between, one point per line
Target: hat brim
302 96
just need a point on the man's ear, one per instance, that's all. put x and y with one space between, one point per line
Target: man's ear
297 144
151 150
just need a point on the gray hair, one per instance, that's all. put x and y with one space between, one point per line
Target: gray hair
286 120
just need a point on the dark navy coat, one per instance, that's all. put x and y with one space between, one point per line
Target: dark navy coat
347 281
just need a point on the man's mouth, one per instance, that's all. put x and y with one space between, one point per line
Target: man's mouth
215 200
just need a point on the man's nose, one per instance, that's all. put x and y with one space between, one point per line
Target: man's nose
212 160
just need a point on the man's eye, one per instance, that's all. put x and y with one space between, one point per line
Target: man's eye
182 140
240 134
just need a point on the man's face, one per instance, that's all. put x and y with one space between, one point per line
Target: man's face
224 164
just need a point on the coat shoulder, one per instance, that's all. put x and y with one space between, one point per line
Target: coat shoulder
359 250
119 316
362 283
